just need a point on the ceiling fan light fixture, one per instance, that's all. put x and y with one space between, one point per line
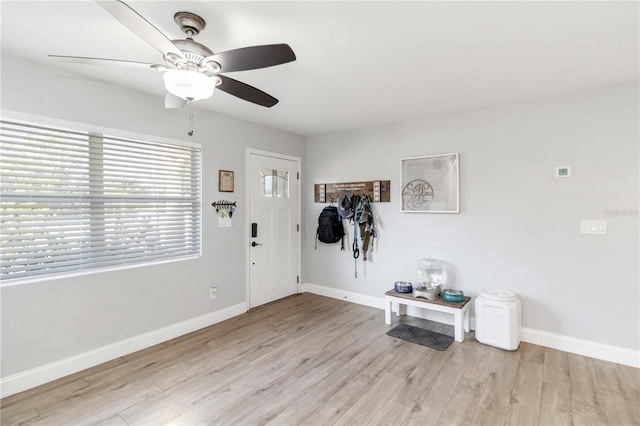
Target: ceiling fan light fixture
191 70
189 85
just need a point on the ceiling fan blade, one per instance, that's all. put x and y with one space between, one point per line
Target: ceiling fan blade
102 61
140 26
246 92
250 58
173 101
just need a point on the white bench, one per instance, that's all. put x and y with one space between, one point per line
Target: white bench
460 310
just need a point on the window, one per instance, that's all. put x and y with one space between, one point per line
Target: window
73 201
274 183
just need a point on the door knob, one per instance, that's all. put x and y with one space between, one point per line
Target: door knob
253 244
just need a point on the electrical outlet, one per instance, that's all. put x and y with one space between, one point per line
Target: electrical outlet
213 292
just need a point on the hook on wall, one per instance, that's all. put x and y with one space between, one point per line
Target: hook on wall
227 207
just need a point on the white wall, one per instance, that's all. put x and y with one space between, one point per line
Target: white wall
519 228
53 320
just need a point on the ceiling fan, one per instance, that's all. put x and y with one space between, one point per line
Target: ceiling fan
191 71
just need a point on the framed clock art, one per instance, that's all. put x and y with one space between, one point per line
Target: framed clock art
430 184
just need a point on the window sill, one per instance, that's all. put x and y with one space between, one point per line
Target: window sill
67 275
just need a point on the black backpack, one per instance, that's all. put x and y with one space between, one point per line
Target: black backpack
330 229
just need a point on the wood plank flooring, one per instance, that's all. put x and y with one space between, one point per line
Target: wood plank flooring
311 360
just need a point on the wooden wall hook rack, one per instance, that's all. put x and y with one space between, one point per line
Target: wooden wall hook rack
378 190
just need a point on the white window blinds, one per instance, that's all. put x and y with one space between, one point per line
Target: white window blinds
72 201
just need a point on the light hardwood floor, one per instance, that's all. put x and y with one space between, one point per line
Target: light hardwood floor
312 360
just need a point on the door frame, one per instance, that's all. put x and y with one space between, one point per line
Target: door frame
247 236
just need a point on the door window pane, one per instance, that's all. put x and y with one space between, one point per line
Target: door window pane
274 183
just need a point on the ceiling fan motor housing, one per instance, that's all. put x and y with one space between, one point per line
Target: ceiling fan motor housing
190 23
194 52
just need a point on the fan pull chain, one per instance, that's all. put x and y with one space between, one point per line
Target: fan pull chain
190 133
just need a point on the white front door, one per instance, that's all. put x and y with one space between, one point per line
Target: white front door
273 229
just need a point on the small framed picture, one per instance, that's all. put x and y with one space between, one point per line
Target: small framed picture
225 181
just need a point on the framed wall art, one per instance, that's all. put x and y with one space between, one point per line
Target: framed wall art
430 184
225 181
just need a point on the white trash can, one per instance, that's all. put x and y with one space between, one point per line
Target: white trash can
498 319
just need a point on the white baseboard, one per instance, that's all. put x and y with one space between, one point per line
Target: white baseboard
349 296
55 370
543 338
582 347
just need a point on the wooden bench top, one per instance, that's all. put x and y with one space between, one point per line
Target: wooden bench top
438 301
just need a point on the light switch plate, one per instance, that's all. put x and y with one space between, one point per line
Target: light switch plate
597 227
224 222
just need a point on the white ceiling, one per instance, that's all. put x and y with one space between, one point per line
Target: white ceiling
359 64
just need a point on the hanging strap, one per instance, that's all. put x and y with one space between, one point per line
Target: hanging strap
373 235
365 220
365 234
356 250
371 226
356 225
